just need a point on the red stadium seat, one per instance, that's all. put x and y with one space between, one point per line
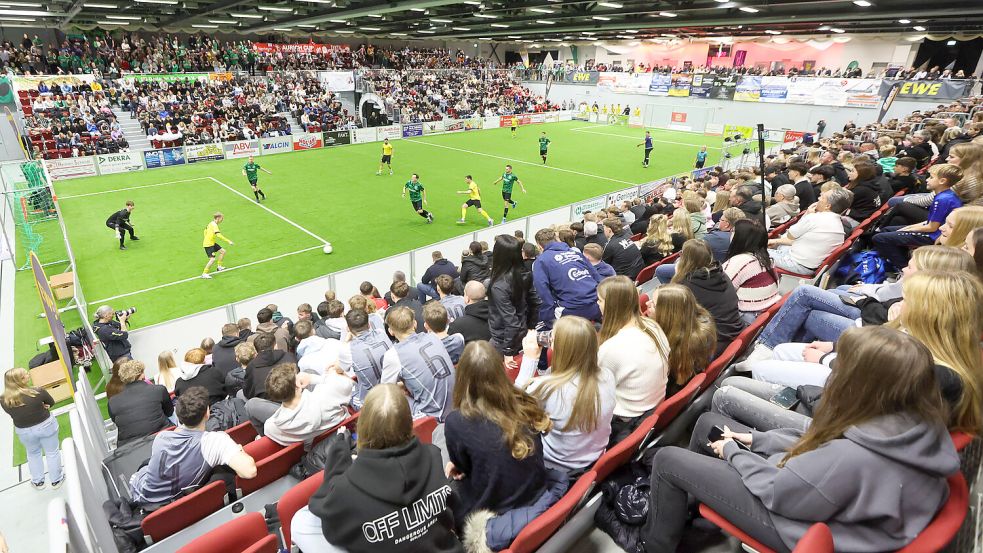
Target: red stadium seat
545 525
261 448
242 434
349 423
271 468
423 429
648 273
184 512
294 500
625 449
241 535
725 358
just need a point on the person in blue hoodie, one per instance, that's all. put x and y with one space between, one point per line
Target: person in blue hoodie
881 424
565 281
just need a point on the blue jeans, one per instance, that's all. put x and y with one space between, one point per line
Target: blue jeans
43 436
665 272
895 201
894 246
426 291
810 313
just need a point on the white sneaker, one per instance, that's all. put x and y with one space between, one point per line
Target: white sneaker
206 275
760 352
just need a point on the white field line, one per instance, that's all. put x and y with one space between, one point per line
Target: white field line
284 219
515 161
590 130
216 275
129 188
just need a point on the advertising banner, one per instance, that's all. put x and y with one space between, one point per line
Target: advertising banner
790 138
660 85
392 132
537 118
864 93
276 145
552 117
164 157
934 90
337 138
241 148
654 189
593 204
71 167
492 122
628 194
433 127
337 81
748 89
31 82
581 77
166 77
678 117
308 141
625 83
803 91
475 123
412 129
298 48
679 85
723 88
454 125
361 136
774 89
700 86
203 152
53 317
123 162
607 80
701 173
738 132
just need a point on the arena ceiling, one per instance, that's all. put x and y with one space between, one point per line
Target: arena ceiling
511 20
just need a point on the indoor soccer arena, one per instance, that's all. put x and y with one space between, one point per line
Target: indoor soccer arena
491 276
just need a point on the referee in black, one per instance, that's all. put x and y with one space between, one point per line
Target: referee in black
120 222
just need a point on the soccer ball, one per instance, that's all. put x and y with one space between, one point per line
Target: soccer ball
328 248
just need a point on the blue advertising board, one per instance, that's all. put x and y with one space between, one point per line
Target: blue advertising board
412 129
164 157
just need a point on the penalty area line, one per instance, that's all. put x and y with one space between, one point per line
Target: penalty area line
518 161
115 190
189 279
282 218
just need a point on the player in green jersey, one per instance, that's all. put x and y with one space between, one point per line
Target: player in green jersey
544 144
418 196
508 180
251 171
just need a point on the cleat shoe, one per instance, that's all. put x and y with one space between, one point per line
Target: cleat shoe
461 221
122 247
134 238
206 275
503 220
220 268
490 222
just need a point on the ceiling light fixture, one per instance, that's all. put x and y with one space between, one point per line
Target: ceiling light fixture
104 6
319 1
482 37
25 4
722 1
546 22
165 2
418 9
749 9
823 28
600 18
130 17
500 25
283 29
218 21
862 3
486 16
667 14
426 32
246 16
461 28
375 15
435 20
344 31
632 31
272 8
30 13
904 21
24 19
770 32
104 22
918 28
542 10
837 31
337 21
398 34
370 28
610 4
307 26
473 3
514 36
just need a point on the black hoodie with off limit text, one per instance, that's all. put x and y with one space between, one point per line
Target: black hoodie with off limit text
386 501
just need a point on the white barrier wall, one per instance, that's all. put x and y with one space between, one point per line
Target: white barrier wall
286 299
451 249
176 336
379 273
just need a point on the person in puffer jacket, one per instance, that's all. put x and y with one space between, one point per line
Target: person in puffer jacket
565 281
513 303
872 465
392 498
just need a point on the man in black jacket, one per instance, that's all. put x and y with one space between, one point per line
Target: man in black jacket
440 266
920 148
254 389
400 276
743 199
475 264
839 171
112 334
399 291
798 171
141 408
224 352
620 252
119 221
473 325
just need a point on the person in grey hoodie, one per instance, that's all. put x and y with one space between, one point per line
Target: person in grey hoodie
881 424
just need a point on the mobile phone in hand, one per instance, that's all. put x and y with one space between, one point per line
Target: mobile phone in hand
717 434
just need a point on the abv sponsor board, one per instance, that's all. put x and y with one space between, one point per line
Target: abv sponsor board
123 162
581 77
71 167
941 90
241 148
204 152
276 145
654 189
308 141
412 129
163 157
337 138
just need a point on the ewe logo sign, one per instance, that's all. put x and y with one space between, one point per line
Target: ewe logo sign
122 162
936 90
308 141
277 145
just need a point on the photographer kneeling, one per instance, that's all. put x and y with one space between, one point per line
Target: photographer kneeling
113 333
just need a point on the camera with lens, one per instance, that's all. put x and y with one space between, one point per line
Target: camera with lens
126 312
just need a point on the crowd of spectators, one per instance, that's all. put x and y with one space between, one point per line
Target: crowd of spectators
71 120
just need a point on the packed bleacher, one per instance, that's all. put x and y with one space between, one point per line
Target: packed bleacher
683 339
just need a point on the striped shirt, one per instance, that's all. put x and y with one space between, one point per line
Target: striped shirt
757 290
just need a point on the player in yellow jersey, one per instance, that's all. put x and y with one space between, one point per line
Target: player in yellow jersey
387 157
214 252
515 124
474 199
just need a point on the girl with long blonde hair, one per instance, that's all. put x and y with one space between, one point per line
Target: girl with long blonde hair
493 437
690 330
958 224
697 270
657 243
30 409
577 394
167 371
969 157
635 350
722 202
680 224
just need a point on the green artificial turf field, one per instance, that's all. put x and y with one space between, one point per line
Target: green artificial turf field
329 194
